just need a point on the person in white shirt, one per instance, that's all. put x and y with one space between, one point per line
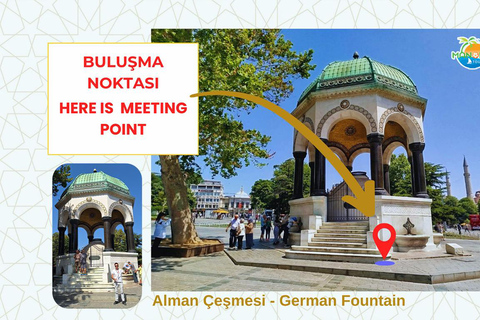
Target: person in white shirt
118 281
233 231
161 225
240 234
126 268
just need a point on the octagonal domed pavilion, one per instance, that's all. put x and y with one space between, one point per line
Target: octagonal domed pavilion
361 106
96 201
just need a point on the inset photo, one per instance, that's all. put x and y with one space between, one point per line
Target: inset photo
97 235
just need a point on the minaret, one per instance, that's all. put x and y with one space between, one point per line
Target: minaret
468 184
449 186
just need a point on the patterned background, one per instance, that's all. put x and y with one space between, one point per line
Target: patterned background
25 204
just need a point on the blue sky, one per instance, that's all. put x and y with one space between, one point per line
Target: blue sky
125 172
451 121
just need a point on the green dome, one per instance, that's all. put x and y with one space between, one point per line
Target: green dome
360 71
96 181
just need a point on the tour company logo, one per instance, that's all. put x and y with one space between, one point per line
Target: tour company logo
469 54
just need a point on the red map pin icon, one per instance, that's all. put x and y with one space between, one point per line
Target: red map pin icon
384 246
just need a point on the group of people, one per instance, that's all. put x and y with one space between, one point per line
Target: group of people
80 258
281 230
129 267
442 227
238 230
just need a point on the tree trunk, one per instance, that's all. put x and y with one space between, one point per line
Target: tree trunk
183 229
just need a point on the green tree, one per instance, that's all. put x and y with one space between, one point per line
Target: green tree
262 194
452 211
283 177
158 200
55 239
258 62
438 202
278 191
469 206
400 176
435 175
120 243
61 177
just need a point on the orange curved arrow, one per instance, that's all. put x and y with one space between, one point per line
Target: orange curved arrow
365 199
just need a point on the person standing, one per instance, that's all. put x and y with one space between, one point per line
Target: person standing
161 225
284 227
77 258
140 274
118 281
249 234
134 272
240 234
83 262
233 225
268 228
276 229
263 221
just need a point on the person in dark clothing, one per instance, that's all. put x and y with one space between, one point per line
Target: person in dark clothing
285 229
249 234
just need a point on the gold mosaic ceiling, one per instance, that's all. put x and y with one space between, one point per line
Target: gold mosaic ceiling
348 132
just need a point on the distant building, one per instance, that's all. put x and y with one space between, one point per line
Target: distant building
224 202
240 202
208 194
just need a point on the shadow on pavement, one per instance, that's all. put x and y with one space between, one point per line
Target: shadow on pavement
65 300
165 264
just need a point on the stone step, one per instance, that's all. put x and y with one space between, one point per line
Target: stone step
336 249
92 271
88 275
337 244
361 223
333 256
333 240
80 290
79 282
341 235
355 231
330 227
103 286
97 298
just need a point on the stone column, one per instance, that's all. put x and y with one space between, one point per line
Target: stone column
312 178
298 176
106 233
376 167
61 241
70 240
130 237
90 238
350 168
412 174
320 189
386 177
113 241
74 223
419 169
